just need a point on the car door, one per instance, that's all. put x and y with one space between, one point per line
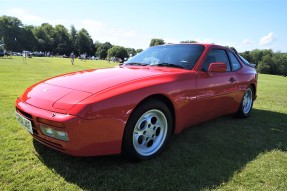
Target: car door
238 88
215 90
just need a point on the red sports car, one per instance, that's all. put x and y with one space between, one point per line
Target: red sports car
136 107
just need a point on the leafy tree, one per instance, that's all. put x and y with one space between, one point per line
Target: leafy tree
1 45
45 37
28 40
10 32
246 55
96 46
156 41
264 65
268 61
118 51
102 50
131 51
256 56
188 41
84 42
279 63
263 68
63 40
73 36
139 50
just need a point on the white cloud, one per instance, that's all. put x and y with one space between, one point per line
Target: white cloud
29 19
247 42
106 32
24 16
266 40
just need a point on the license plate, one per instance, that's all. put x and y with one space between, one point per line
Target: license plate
25 123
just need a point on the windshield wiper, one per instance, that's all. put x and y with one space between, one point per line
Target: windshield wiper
168 65
136 64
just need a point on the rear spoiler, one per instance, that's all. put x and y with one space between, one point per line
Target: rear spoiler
252 65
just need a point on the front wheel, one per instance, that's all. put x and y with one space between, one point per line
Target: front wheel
246 103
147 131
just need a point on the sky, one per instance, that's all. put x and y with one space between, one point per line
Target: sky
243 24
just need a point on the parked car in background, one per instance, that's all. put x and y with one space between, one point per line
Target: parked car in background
38 54
134 109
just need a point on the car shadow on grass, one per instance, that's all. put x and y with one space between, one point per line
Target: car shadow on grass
201 157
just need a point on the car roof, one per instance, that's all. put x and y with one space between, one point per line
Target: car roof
204 44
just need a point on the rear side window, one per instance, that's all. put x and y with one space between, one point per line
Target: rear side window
216 55
234 61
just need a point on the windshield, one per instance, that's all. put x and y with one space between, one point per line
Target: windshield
179 56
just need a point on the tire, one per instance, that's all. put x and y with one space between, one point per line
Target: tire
246 103
148 131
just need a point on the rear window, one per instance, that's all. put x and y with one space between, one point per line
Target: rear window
234 62
246 62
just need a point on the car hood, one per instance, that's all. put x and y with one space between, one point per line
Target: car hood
61 93
94 81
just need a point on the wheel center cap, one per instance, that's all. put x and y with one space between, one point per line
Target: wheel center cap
149 132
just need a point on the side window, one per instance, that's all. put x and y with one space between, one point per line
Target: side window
234 61
216 55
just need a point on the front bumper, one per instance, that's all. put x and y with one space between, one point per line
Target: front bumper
86 137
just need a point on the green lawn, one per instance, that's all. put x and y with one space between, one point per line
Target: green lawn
222 154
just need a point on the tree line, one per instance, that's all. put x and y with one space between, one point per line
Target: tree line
16 37
59 40
268 62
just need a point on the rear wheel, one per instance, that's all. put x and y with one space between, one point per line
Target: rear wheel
246 103
147 131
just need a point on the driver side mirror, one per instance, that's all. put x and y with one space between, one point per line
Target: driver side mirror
216 67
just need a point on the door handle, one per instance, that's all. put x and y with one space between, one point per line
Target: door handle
232 79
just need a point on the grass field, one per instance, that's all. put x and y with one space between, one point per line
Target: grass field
222 154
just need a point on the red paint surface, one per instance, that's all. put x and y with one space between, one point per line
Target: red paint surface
95 105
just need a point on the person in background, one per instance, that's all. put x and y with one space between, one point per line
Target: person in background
72 56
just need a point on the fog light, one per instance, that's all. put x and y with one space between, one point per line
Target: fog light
61 135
